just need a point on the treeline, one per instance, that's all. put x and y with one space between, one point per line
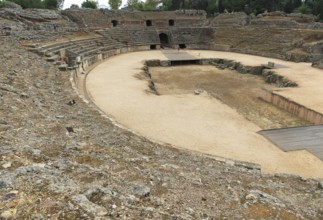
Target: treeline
314 7
48 4
260 6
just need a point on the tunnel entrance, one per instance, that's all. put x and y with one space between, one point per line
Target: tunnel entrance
114 23
149 23
163 40
182 46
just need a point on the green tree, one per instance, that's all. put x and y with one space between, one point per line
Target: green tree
89 4
134 4
1 3
51 4
304 9
220 6
212 7
74 6
291 5
150 5
320 9
30 3
115 4
166 5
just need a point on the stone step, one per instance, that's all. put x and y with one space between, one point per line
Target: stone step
63 67
53 58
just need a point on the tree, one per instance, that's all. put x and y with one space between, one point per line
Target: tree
51 4
166 5
134 4
30 3
320 9
150 5
1 3
74 6
291 5
220 6
304 9
175 5
89 4
212 7
115 4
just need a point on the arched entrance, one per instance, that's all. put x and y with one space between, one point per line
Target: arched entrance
149 23
114 23
163 39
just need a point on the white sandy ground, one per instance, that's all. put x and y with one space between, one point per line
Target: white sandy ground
202 123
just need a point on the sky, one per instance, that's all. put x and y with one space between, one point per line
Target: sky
68 3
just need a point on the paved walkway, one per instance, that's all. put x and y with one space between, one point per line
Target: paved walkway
178 55
308 138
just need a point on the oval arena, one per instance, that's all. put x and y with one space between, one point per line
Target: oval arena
160 115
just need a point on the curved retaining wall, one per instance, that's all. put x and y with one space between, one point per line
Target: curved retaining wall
268 96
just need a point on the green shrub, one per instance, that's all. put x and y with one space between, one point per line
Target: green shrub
89 4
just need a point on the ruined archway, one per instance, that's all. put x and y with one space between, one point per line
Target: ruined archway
163 39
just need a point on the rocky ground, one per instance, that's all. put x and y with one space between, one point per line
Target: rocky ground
61 161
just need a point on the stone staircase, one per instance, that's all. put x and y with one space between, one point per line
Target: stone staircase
143 36
76 51
117 34
192 35
283 43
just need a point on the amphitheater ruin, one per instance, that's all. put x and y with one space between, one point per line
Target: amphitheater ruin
168 115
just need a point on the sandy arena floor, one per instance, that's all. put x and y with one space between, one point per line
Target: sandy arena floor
202 123
239 91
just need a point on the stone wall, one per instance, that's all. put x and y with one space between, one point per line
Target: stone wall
231 19
292 37
192 35
96 19
292 107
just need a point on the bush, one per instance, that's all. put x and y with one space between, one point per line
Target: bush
304 9
89 4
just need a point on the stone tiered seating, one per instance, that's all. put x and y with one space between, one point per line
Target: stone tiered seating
118 34
88 18
283 43
86 49
54 48
191 35
142 36
132 36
